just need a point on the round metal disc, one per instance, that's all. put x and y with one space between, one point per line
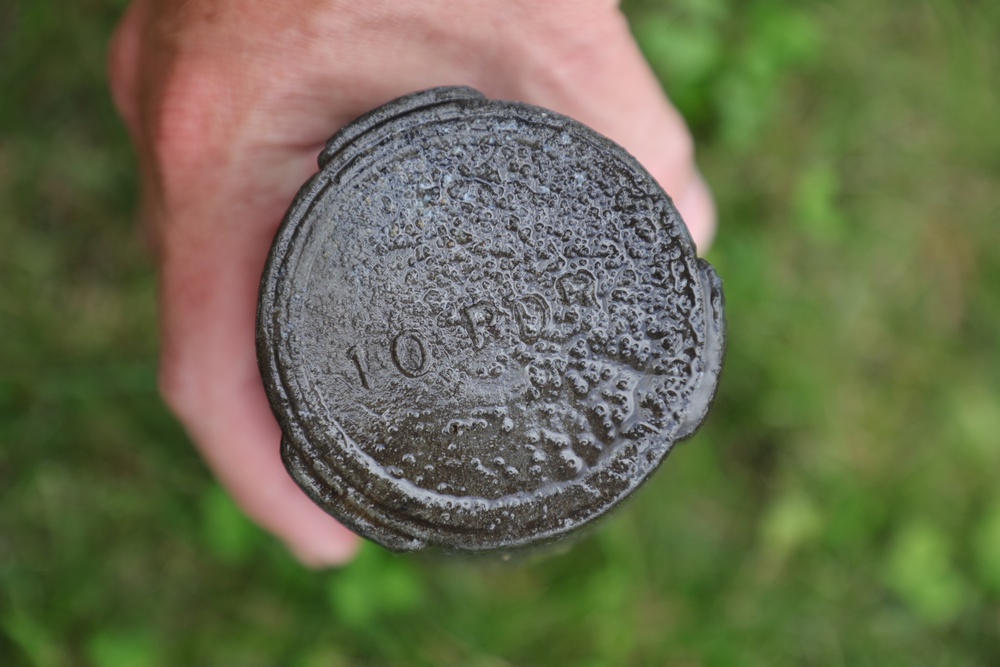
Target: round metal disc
482 325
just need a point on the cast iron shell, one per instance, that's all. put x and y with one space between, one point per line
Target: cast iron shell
482 325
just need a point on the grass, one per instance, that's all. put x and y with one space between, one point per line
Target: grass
839 508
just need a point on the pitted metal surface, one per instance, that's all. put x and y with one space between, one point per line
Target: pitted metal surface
482 325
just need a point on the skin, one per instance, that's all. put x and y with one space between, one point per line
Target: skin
228 103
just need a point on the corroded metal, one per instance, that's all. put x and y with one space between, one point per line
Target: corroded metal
482 325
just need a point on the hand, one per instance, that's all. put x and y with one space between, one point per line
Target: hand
228 103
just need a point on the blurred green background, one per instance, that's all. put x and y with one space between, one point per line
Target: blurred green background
841 506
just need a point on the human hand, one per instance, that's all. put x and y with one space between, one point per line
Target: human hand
228 103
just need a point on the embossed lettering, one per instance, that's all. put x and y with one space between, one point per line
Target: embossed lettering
478 319
409 352
533 314
360 358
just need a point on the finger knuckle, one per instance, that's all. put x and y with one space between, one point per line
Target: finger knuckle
187 121
119 73
569 42
180 387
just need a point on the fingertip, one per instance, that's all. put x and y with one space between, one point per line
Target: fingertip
329 549
122 62
697 208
